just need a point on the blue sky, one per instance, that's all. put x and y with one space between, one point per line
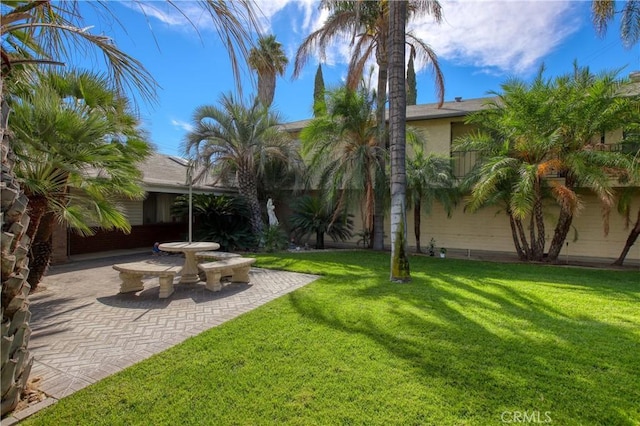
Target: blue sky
479 45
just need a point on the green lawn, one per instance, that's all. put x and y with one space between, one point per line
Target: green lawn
464 343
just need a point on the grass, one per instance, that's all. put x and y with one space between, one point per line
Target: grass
464 343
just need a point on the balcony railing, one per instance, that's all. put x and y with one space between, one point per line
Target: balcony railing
464 161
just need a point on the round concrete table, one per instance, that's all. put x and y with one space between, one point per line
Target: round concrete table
190 268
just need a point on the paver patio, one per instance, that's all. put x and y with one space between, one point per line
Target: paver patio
84 330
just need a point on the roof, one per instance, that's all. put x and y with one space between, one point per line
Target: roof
457 108
460 107
165 173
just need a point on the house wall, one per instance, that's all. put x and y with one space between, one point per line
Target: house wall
437 133
60 243
133 211
488 230
150 222
140 236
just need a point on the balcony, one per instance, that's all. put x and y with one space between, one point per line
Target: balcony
464 161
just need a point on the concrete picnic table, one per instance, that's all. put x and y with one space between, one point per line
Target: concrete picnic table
190 268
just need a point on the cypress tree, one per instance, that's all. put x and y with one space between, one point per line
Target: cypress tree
412 88
319 103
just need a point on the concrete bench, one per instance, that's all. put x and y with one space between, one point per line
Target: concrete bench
237 267
131 275
207 256
215 255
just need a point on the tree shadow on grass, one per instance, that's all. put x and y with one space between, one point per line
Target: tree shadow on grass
497 347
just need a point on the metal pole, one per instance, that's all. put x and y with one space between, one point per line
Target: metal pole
190 178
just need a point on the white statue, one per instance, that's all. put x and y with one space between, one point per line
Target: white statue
271 211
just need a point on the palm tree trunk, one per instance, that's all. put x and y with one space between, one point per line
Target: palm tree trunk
16 361
416 223
537 223
381 187
41 250
560 234
633 236
266 88
516 240
532 240
248 188
37 210
523 238
562 226
320 240
397 128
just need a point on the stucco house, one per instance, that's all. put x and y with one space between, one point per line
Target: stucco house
485 230
488 229
164 179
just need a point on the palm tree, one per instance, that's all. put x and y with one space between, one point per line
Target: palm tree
429 179
400 270
546 127
320 216
514 146
603 11
240 142
368 22
589 106
79 146
341 151
36 32
268 60
624 208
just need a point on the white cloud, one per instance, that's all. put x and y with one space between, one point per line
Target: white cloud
499 36
266 10
182 125
184 16
496 36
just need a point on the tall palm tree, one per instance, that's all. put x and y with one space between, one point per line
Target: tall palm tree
400 270
268 60
79 144
429 179
603 11
366 23
35 32
240 142
341 150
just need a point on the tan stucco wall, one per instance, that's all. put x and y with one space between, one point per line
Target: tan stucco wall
437 133
488 229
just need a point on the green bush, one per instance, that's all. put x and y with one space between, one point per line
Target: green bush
273 239
222 219
315 215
